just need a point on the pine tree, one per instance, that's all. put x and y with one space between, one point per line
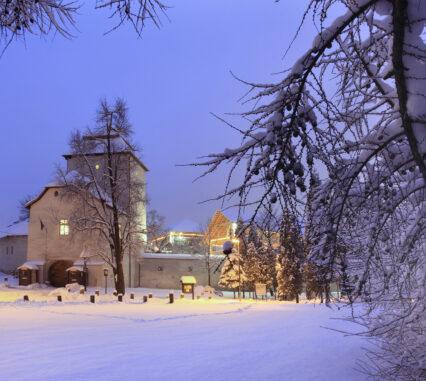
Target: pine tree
232 272
267 257
252 266
288 262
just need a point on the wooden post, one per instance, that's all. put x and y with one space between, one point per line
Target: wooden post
97 292
150 295
182 295
145 298
59 298
198 297
26 299
5 280
132 295
120 297
92 298
82 291
171 298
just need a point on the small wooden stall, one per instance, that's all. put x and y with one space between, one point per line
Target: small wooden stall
28 274
188 284
75 274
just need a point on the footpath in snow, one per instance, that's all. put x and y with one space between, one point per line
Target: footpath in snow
219 339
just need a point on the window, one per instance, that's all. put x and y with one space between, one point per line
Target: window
64 227
97 166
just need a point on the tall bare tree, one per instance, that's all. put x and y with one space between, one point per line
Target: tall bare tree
104 180
352 106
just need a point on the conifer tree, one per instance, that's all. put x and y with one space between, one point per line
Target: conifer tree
288 262
232 272
252 266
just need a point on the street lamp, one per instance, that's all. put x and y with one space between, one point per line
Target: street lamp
85 255
105 275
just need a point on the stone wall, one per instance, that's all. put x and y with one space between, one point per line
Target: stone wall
165 270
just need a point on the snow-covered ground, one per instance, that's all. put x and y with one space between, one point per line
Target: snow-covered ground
218 339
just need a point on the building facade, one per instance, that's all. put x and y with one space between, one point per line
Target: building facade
13 247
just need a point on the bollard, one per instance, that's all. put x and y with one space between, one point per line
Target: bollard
150 295
198 297
171 298
145 298
120 297
182 295
68 289
210 298
81 291
59 298
115 293
26 299
92 298
5 280
97 292
132 295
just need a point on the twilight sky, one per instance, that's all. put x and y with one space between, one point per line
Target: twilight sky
171 79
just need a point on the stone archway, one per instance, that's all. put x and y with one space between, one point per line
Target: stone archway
58 276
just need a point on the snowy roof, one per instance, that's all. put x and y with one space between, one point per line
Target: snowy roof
184 225
16 229
188 279
31 265
74 268
171 256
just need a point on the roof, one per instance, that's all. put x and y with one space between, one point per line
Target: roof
184 225
188 279
70 176
171 256
16 229
31 265
75 268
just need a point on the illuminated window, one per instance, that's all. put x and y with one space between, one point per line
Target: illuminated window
64 227
119 231
97 166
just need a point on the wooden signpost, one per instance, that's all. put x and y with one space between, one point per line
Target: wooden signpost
260 289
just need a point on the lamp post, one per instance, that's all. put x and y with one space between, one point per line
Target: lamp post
85 255
105 275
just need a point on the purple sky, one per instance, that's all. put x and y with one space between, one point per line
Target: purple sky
171 79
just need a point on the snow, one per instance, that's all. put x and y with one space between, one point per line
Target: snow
188 279
75 268
20 228
218 339
173 256
32 265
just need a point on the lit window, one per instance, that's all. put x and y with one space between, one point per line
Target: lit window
64 227
97 166
119 231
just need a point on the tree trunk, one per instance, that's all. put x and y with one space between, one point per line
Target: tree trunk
297 298
119 278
